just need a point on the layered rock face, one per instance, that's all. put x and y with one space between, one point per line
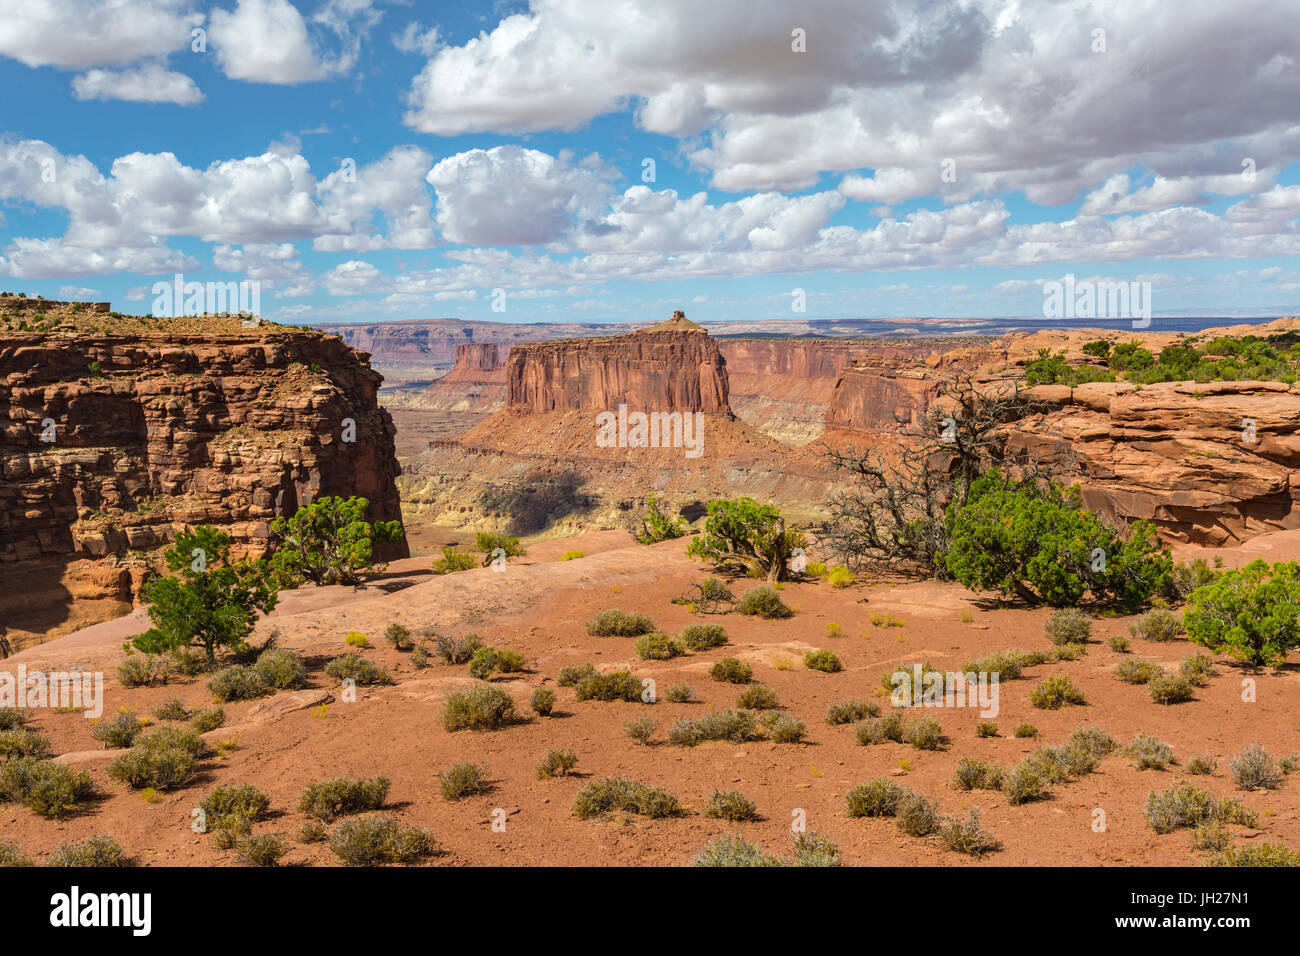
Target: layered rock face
785 387
476 384
671 367
110 443
875 395
1211 463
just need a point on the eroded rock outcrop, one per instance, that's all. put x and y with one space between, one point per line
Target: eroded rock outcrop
1211 463
112 441
476 384
671 367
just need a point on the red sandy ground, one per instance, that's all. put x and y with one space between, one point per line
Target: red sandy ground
540 605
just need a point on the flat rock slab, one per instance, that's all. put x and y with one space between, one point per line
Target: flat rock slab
281 704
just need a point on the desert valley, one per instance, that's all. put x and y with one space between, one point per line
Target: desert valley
581 651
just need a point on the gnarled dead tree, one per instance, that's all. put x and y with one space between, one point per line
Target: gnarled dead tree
896 510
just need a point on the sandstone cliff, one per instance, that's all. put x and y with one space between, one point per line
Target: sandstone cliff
671 367
114 433
476 384
1211 463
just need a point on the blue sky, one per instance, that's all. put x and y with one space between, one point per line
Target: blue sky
367 161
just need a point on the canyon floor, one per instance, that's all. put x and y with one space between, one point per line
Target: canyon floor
539 606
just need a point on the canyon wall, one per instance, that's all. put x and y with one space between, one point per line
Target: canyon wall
672 367
112 441
476 384
874 395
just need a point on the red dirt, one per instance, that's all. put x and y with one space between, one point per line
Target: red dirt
539 606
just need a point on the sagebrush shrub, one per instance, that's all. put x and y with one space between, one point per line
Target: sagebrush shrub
1022 784
630 796
730 805
679 693
703 637
657 647
556 763
764 602
399 636
782 728
456 650
281 669
1025 731
1254 769
615 623
542 702
924 734
1148 753
616 685
238 682
341 796
101 850
12 856
24 743
1138 672
478 708
142 670
12 718
1119 643
265 849
641 729
463 780
1198 669
45 787
877 798
1184 806
825 661
876 730
1055 692
570 676
967 836
1202 766
373 841
731 670
121 731
975 774
916 815
172 709
851 711
1158 624
1068 626
986 728
1258 854
758 697
358 669
1170 689
204 721
734 726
